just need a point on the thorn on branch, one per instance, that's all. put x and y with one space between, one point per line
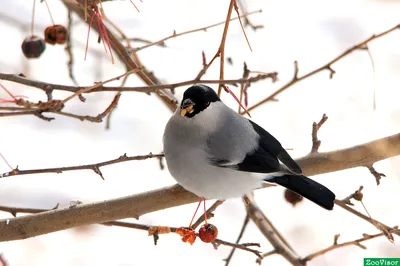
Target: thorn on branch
81 98
41 116
376 174
49 93
332 72
296 71
96 169
267 254
161 163
316 143
156 230
335 239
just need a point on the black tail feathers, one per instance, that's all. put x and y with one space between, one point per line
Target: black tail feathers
307 188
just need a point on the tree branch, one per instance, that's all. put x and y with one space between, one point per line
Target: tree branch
163 198
269 231
356 242
167 98
327 66
174 35
95 167
151 88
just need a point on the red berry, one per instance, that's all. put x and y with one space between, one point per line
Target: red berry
208 233
56 34
33 46
292 197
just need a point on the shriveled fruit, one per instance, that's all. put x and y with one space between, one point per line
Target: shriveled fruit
292 197
208 233
33 46
187 234
56 34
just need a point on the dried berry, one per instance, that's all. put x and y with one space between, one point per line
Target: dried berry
56 34
33 46
358 195
292 197
187 234
208 233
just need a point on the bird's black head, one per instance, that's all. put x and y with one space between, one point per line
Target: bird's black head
196 99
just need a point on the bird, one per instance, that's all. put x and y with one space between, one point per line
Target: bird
216 153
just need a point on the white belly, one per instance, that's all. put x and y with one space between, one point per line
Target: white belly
205 180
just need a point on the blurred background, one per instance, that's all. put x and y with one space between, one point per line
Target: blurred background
309 31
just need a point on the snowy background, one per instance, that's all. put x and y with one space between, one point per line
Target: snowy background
309 31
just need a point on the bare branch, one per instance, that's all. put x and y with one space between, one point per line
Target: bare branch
316 143
269 231
153 88
356 242
174 35
327 66
221 49
376 174
168 99
95 167
140 204
245 223
381 226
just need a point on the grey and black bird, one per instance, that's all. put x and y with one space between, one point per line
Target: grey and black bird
216 153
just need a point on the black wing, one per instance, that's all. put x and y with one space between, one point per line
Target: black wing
265 159
269 146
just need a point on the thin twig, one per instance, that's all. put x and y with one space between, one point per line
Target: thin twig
174 35
245 223
221 49
376 174
94 167
153 88
241 25
356 242
364 217
264 255
239 246
316 143
85 90
327 66
271 233
68 49
243 87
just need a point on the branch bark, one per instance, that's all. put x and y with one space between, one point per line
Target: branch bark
163 198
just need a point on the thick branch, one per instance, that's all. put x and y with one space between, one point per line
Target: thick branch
269 231
140 204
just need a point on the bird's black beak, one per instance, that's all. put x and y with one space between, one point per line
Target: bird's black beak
187 107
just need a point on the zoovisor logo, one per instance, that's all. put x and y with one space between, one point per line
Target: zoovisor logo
382 261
